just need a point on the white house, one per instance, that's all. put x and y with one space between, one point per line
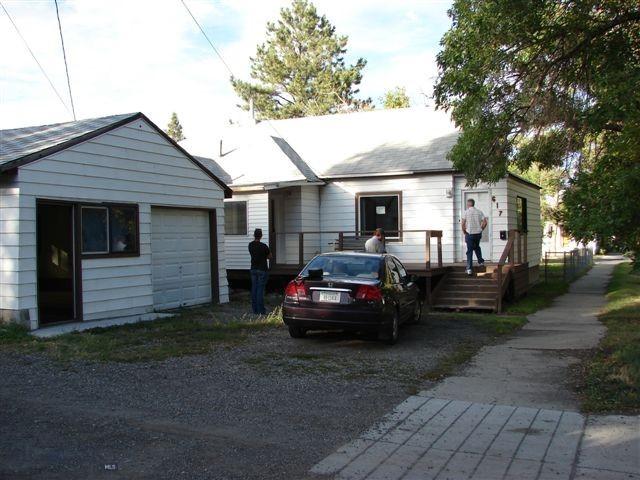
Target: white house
354 172
105 218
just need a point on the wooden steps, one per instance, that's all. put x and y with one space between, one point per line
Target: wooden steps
463 292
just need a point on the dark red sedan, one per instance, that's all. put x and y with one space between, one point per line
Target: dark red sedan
352 291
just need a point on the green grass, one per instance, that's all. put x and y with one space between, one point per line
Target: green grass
611 377
193 332
491 323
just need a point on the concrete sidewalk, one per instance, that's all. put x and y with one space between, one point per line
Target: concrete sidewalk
510 414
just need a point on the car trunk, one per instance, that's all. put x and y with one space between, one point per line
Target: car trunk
335 290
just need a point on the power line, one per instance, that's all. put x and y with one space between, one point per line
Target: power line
64 55
34 58
208 40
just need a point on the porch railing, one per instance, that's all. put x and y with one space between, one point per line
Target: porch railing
345 240
515 251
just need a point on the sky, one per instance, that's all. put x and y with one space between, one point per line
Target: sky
148 55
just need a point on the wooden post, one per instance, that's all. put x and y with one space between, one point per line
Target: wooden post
428 250
301 249
512 250
519 237
525 252
499 290
440 251
546 262
341 241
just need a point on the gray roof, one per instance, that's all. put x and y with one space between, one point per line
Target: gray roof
17 143
378 142
19 146
216 169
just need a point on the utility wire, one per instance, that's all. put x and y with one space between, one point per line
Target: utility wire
273 127
34 58
64 55
208 40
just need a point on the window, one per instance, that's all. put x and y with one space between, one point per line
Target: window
95 230
392 272
110 230
345 266
380 211
235 218
521 214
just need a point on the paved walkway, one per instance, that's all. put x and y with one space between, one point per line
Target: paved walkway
510 415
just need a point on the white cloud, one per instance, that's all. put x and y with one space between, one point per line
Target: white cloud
147 55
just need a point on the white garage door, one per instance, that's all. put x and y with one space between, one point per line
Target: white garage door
180 256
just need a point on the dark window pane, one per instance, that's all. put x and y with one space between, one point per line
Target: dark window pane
380 212
345 266
521 214
94 230
123 229
235 218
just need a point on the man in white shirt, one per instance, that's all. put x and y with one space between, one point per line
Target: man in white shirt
473 223
376 243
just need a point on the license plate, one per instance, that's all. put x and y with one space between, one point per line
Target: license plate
331 297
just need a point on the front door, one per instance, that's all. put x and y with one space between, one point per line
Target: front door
55 247
483 203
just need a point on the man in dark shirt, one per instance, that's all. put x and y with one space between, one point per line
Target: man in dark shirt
260 253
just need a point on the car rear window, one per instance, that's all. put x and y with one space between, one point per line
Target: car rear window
345 266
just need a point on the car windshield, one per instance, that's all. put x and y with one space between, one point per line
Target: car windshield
345 266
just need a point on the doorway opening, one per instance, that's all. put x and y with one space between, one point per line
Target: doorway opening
56 263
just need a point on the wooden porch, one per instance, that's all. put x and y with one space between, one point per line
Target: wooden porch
446 285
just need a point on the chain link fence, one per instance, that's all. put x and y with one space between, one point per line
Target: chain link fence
568 264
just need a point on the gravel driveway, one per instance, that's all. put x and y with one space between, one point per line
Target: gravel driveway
268 407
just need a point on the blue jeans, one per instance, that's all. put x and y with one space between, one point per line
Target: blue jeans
473 245
258 284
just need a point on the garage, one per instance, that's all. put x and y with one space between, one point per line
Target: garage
181 257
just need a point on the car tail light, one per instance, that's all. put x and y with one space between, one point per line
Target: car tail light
369 293
296 290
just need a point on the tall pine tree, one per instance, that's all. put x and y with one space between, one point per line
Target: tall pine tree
174 129
300 70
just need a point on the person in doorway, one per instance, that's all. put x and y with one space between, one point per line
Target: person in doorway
376 243
473 224
260 254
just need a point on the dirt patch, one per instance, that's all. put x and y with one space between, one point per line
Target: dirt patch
268 407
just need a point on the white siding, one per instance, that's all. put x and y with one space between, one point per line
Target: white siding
534 223
497 217
9 248
310 220
237 255
425 206
132 164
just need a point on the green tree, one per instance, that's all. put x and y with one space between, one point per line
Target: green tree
300 70
174 128
396 98
552 83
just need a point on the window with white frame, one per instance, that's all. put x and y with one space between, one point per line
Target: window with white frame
235 218
380 210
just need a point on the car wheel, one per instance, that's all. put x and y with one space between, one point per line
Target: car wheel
297 332
393 331
417 312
